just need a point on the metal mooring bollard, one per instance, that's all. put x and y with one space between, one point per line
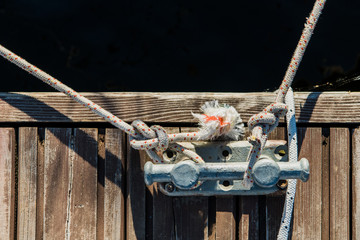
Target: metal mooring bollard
224 169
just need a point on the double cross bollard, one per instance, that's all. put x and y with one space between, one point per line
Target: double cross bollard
224 169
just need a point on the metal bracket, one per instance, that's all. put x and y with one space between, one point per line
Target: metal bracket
224 170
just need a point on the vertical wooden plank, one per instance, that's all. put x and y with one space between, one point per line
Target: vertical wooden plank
27 186
225 218
191 217
325 205
249 223
57 186
83 182
308 201
163 214
136 200
274 203
191 214
101 186
7 182
356 184
114 218
339 183
40 203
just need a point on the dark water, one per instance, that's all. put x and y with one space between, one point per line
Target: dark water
221 46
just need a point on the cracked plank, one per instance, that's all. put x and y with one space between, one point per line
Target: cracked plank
114 202
56 182
83 204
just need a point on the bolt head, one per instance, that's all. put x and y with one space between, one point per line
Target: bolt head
266 172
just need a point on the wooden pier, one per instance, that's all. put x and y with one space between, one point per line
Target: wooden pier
67 174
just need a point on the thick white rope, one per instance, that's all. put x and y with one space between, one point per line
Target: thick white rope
293 157
263 123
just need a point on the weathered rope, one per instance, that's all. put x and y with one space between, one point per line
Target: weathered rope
143 137
300 49
293 157
262 124
155 138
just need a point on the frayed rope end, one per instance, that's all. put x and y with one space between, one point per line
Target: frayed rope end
219 121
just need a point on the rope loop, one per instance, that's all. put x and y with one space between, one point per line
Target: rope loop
267 118
155 139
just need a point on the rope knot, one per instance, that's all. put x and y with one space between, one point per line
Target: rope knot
269 116
154 137
266 121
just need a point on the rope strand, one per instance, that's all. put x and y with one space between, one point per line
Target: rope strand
300 49
135 132
261 128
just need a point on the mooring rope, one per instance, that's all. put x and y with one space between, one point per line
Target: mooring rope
155 138
142 136
263 123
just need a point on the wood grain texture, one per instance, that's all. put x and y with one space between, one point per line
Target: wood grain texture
40 203
136 200
249 223
172 107
356 184
339 183
225 218
57 184
307 222
114 202
83 181
325 202
27 186
7 183
191 218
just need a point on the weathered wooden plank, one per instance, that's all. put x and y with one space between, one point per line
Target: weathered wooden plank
27 186
172 107
82 183
191 217
275 202
100 224
136 200
325 204
356 184
249 223
339 183
7 182
307 222
57 170
114 202
163 212
225 218
40 203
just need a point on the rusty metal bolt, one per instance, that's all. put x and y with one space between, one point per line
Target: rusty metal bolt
282 184
169 187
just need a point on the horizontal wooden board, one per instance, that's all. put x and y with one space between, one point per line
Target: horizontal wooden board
315 107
